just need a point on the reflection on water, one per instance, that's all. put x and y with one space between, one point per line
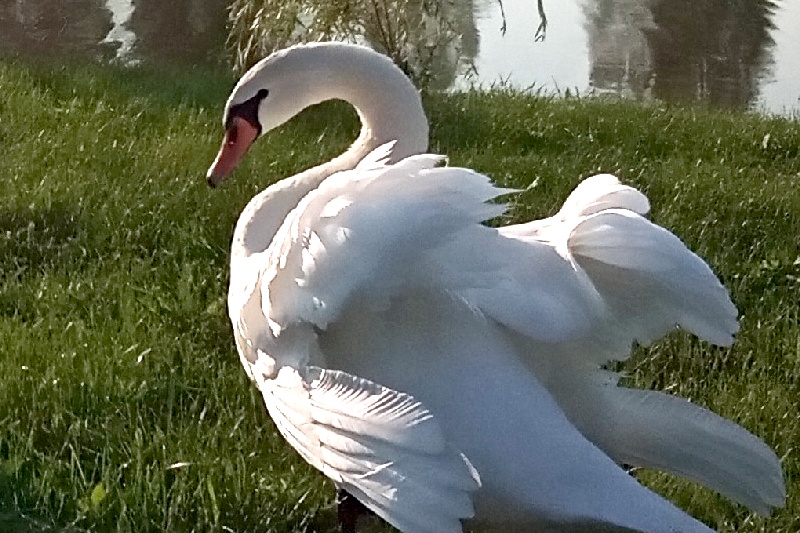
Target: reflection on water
45 28
619 52
121 11
183 31
180 31
715 50
720 51
735 54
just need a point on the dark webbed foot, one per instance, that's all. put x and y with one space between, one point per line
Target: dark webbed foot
349 509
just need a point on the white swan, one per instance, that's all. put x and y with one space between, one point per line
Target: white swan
440 370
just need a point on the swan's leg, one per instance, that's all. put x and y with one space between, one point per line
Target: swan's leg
348 511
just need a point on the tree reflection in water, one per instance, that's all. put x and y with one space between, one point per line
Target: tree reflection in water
185 31
47 28
189 32
716 51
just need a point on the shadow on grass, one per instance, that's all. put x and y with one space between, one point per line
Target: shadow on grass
39 239
201 86
15 521
12 517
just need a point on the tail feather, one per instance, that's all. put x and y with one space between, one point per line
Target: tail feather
653 429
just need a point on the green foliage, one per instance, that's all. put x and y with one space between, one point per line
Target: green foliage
432 41
122 403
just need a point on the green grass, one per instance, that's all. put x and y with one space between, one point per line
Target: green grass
122 403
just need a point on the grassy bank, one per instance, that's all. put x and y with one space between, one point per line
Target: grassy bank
122 403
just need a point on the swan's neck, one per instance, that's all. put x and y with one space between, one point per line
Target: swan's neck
386 102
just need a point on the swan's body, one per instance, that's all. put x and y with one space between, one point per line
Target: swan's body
440 370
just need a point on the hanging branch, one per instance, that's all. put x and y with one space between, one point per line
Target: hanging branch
503 16
541 31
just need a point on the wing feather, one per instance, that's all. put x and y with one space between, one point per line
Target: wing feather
646 280
382 445
652 429
370 228
650 279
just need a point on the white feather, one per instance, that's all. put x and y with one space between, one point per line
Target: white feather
376 442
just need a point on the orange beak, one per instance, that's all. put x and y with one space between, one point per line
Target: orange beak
239 136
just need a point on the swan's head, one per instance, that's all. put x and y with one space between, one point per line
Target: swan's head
247 116
274 90
242 128
280 86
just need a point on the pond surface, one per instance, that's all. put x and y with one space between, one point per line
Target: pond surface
184 32
730 53
735 54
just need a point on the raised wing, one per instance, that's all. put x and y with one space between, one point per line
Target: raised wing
651 281
382 228
648 281
572 292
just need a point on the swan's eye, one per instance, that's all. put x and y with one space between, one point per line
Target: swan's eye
233 135
247 110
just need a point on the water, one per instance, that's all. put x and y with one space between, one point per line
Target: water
120 35
780 90
647 49
736 54
183 32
